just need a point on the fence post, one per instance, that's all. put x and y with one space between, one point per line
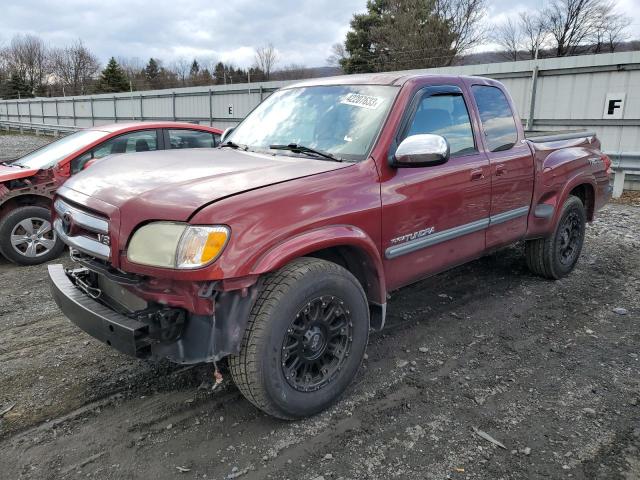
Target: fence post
42 111
532 103
18 109
57 116
93 118
261 93
173 99
73 110
115 109
210 108
141 111
29 107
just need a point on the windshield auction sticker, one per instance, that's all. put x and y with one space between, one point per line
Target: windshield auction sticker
365 101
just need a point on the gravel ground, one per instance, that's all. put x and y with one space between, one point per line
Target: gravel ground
549 369
14 145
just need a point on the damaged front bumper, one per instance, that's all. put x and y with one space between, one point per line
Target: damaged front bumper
152 331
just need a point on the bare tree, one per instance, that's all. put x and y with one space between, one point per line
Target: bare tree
534 32
292 71
464 18
574 24
26 57
266 58
616 31
181 67
74 67
509 36
338 54
609 30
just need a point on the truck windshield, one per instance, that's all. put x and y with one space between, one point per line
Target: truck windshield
49 155
340 120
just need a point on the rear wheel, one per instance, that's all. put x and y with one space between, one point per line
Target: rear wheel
555 256
306 337
27 237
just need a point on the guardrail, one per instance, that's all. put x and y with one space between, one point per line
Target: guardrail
624 164
38 128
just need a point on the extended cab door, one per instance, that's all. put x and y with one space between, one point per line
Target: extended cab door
511 164
435 217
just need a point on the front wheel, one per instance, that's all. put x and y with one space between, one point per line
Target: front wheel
556 256
305 339
27 237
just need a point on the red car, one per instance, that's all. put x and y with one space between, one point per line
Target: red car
27 184
280 248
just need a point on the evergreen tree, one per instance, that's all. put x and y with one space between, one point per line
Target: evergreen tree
152 73
219 73
113 79
195 69
16 87
433 32
359 41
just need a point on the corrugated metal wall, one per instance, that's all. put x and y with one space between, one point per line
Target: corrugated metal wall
570 93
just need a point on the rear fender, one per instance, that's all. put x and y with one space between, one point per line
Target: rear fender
545 214
325 238
583 179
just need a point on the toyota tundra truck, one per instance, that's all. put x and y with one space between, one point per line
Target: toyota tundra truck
279 249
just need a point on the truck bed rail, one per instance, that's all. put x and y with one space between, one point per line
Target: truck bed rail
543 137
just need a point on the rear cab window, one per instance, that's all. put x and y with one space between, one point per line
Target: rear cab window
496 116
445 115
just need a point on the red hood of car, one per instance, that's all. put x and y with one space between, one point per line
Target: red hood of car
175 183
7 172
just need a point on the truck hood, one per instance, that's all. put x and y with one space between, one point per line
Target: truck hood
172 184
8 172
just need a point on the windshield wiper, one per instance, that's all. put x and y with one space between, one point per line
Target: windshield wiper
230 144
295 148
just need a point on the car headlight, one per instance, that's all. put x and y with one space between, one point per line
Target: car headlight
177 245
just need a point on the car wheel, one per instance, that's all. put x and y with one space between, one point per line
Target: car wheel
305 339
555 256
27 237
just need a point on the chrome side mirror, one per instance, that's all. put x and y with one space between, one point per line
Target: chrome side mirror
225 134
423 150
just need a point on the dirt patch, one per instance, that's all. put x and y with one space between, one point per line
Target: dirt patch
549 369
628 198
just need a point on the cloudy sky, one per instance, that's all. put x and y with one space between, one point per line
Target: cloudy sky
301 31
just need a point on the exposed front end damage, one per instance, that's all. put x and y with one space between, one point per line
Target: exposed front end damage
42 184
108 305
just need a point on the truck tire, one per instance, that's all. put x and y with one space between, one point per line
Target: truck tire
305 340
27 237
555 256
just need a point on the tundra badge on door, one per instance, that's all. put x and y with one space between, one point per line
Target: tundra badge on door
412 236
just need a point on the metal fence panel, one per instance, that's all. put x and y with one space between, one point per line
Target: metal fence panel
570 94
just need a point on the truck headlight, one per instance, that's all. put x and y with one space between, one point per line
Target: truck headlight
177 245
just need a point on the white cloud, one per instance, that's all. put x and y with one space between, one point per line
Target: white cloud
302 32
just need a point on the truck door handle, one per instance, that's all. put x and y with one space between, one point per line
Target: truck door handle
501 169
477 174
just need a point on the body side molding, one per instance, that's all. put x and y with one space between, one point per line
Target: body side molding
451 233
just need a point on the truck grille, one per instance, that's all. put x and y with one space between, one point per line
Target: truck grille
83 231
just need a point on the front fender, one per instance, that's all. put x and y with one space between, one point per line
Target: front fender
323 238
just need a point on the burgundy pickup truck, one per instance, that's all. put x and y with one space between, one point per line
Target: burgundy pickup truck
279 249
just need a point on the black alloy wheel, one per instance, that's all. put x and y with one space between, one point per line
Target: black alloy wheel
317 344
